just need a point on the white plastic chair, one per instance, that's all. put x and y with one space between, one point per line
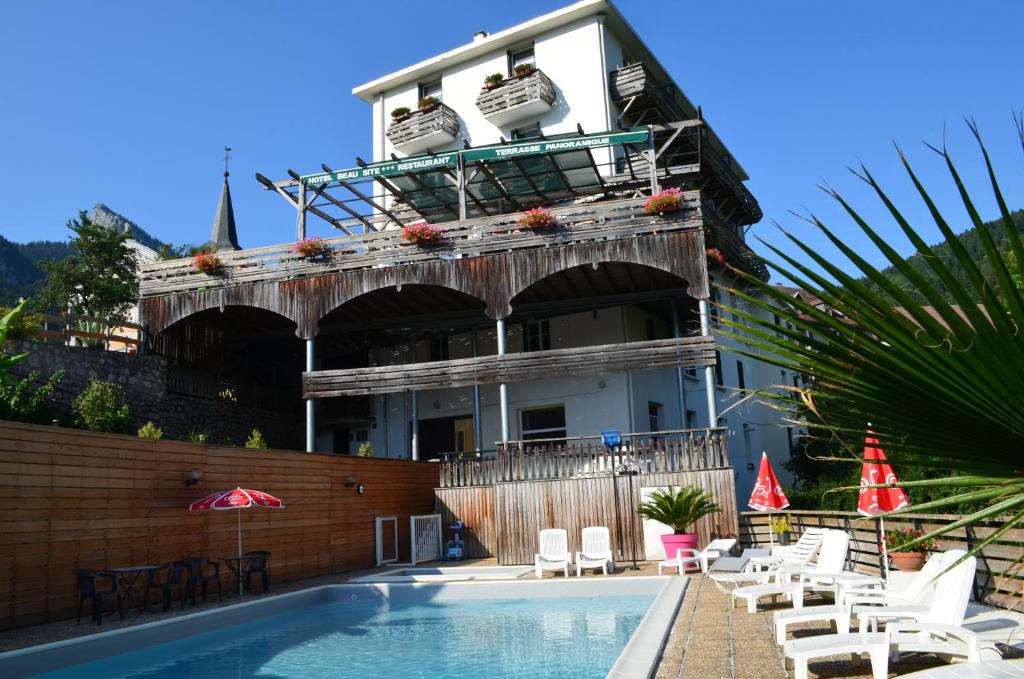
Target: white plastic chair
704 557
554 552
796 559
597 551
831 559
918 593
938 629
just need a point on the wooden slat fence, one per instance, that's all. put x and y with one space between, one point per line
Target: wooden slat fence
587 456
992 584
508 368
467 238
114 335
73 499
504 520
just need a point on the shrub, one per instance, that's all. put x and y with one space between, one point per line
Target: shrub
102 407
206 262
428 102
422 233
400 112
365 449
668 200
196 436
23 325
780 526
25 399
256 440
151 431
537 219
523 70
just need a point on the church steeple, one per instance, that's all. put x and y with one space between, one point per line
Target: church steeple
222 235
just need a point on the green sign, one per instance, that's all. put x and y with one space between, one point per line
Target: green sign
383 169
450 159
553 145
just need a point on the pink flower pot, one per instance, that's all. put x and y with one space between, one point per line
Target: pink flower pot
675 541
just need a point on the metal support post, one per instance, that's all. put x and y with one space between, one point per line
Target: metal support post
478 429
677 332
460 168
310 403
414 443
709 371
652 153
503 388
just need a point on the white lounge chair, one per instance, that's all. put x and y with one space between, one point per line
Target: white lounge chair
831 559
554 552
938 630
703 557
597 551
918 593
796 559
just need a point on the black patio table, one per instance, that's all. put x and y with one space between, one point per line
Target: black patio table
235 564
129 581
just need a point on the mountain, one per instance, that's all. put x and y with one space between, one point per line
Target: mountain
971 243
20 275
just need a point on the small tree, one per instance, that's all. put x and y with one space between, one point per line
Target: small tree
102 407
256 440
99 277
22 399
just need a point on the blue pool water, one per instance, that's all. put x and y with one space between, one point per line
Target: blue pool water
566 638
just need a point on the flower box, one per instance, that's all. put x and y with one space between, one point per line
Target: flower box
422 233
669 200
313 249
537 219
208 263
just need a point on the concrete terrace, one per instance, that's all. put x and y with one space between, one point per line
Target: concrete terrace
709 640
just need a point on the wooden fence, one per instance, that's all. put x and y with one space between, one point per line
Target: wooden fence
73 499
503 520
992 584
114 335
586 456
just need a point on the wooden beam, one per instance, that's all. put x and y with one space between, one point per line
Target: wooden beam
596 360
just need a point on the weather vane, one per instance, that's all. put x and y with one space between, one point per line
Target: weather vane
227 154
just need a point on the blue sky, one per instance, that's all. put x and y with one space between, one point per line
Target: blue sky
130 103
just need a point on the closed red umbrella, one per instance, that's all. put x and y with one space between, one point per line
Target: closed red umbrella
873 501
767 494
237 499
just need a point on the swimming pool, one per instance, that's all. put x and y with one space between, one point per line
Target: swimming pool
447 574
552 628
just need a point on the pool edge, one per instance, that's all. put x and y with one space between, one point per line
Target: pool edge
643 651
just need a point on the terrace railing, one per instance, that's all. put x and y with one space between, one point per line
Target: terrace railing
82 330
516 99
434 127
590 222
586 457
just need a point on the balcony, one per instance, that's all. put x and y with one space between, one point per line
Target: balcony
430 128
517 99
663 452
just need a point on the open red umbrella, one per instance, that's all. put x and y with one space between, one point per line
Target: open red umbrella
238 499
767 493
873 501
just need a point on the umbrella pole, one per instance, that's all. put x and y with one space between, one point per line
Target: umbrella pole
771 537
239 566
885 551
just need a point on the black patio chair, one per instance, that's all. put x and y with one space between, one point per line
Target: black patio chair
199 575
257 563
169 578
87 591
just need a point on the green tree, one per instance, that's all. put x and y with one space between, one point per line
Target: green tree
98 278
102 407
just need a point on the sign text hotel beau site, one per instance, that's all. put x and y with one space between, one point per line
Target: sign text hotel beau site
484 153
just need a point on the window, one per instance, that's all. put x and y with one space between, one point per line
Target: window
655 416
691 419
439 348
536 335
522 56
691 372
543 423
719 378
431 89
627 59
739 375
649 329
531 132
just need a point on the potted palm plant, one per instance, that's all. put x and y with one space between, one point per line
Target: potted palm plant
679 509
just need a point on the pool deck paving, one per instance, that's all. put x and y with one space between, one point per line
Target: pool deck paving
709 639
